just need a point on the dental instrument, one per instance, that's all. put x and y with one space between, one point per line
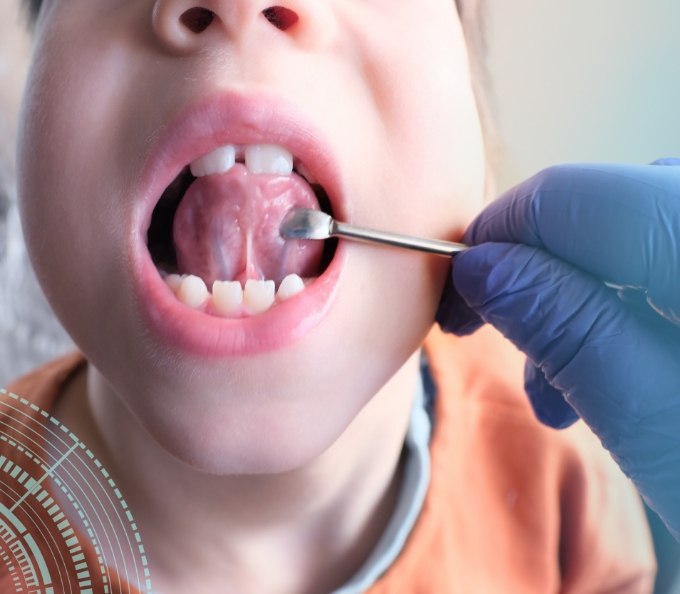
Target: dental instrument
304 223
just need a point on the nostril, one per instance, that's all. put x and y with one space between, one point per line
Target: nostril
281 17
197 19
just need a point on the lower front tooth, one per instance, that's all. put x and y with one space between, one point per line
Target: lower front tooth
290 286
258 296
174 281
227 297
192 291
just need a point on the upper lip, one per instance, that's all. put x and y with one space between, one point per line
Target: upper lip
239 119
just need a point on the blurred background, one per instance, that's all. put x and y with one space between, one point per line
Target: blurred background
584 81
571 81
28 331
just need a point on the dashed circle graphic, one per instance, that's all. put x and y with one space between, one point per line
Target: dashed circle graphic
64 525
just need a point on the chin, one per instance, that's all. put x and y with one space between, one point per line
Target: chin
261 447
230 418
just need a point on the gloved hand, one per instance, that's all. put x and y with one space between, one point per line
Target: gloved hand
610 356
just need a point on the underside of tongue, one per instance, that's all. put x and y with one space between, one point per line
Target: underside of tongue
227 228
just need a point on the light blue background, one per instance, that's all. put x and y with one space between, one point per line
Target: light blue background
584 80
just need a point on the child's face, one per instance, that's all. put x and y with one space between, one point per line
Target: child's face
373 97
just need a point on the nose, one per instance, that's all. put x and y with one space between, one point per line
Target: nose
185 26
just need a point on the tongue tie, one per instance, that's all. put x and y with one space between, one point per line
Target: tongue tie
227 228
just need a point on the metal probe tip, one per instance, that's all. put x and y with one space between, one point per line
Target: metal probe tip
304 223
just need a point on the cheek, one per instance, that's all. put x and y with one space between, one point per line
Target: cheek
427 156
67 196
439 152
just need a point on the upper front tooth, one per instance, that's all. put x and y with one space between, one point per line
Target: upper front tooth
269 158
259 295
220 160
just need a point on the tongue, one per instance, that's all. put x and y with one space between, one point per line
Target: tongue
227 228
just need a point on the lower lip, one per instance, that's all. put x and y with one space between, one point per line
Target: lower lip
207 336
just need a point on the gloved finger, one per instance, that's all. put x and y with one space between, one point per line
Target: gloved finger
548 402
617 371
547 307
668 161
454 314
559 316
619 222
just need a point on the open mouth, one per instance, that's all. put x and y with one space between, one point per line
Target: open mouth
214 235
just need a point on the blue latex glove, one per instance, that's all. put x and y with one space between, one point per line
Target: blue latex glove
543 251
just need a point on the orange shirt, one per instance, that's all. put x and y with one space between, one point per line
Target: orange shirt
513 507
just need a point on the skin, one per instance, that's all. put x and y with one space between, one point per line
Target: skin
302 467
